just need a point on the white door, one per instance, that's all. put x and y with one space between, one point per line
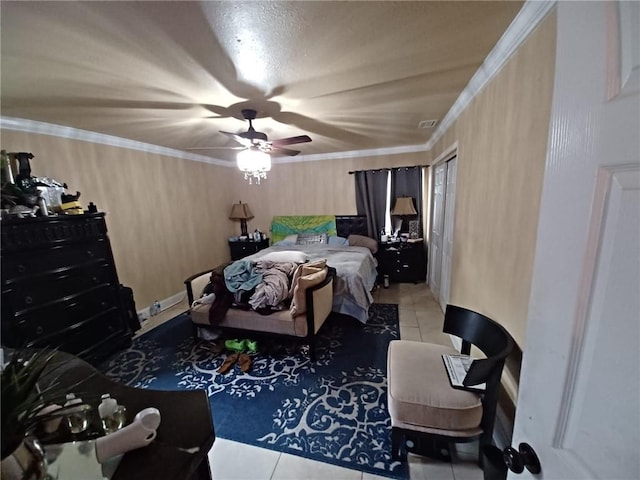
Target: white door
447 238
578 403
435 261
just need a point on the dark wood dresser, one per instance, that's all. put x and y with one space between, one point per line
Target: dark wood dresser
60 286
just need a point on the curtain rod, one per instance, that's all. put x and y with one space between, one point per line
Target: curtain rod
388 168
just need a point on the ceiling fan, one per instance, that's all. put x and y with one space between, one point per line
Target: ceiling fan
254 139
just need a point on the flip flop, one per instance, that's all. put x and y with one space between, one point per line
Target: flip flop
245 362
228 363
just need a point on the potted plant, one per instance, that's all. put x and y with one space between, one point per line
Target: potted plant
23 401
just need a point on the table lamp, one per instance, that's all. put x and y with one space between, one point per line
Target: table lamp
404 208
240 211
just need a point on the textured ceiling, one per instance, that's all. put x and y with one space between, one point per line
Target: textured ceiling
351 75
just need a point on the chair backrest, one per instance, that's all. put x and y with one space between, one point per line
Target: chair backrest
484 333
474 328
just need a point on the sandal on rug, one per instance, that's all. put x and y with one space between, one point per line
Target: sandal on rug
228 363
217 347
245 362
236 345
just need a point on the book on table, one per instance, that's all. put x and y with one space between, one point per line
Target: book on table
460 369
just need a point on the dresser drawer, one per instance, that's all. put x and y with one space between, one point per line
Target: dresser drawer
48 319
26 264
31 233
402 273
241 249
45 288
83 336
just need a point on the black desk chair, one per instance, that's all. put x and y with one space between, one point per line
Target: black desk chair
423 405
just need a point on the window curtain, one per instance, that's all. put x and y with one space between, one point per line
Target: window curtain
371 198
407 182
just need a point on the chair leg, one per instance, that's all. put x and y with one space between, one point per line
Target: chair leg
195 330
397 439
441 449
485 440
312 348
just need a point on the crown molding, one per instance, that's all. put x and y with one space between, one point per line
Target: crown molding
372 152
31 126
527 19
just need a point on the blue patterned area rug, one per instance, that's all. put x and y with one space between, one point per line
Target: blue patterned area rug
333 410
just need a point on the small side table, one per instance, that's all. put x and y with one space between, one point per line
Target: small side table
403 262
240 249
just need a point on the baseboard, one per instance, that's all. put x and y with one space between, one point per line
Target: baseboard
164 304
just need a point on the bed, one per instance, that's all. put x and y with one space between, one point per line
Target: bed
355 265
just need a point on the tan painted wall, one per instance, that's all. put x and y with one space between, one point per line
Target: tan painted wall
502 143
168 218
155 206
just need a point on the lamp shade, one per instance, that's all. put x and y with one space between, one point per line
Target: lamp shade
404 206
240 211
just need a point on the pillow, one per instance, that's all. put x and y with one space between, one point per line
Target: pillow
309 274
307 268
336 241
311 238
288 241
362 241
285 256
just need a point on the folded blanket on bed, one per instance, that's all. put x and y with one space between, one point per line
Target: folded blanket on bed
274 288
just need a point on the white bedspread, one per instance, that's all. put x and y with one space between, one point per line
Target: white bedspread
355 271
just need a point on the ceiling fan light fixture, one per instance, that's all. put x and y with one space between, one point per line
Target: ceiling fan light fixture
254 163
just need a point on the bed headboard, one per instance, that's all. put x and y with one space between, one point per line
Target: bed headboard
351 224
341 225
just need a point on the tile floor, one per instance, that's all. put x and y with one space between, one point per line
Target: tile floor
421 320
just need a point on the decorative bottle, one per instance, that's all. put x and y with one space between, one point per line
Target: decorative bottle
111 414
77 416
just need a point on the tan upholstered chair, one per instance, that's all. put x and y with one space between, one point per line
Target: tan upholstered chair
303 324
422 403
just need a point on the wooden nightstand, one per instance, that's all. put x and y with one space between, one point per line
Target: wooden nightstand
403 262
241 249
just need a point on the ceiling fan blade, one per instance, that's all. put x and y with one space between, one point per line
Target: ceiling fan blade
284 151
291 140
216 148
246 142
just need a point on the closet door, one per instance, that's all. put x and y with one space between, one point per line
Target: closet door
447 239
437 228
